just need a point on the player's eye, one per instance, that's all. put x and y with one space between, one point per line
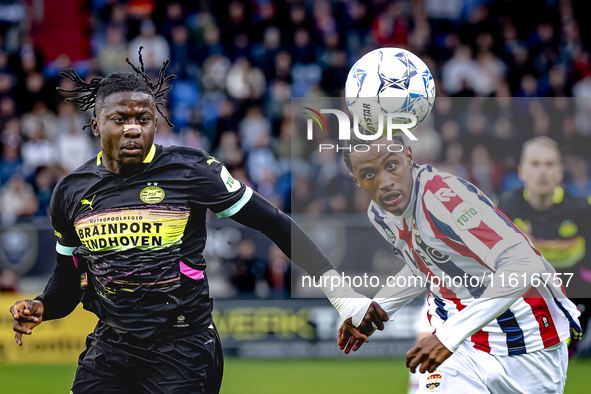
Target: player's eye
118 120
144 119
369 175
390 166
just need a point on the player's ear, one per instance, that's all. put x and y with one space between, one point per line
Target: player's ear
409 158
94 127
156 124
355 180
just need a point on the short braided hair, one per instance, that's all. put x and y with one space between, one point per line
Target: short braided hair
98 89
355 140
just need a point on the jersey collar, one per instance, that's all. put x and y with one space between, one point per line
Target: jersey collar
148 158
557 197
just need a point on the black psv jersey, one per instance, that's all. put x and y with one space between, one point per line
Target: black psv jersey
560 233
141 238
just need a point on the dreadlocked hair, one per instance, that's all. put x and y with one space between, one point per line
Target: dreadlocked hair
98 89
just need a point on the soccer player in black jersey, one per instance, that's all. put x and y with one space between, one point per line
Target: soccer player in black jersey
130 227
558 224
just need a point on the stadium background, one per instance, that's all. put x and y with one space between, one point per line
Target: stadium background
238 64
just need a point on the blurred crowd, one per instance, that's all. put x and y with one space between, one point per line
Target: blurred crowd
238 64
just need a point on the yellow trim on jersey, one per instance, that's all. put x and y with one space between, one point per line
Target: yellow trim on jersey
151 154
148 158
557 197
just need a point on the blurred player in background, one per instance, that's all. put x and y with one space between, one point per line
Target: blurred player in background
557 223
130 227
491 334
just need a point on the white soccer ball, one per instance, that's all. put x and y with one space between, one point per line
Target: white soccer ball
389 80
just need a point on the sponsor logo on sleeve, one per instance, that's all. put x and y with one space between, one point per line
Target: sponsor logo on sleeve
231 184
467 216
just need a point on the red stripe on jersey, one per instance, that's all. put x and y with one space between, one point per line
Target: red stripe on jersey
486 235
458 247
406 235
483 232
449 295
480 340
516 229
435 185
544 318
459 304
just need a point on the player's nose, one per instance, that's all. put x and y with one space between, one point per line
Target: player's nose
132 129
385 180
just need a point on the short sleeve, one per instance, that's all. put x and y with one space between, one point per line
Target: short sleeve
215 188
456 209
67 239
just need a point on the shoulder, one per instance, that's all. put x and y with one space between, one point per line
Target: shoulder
78 180
183 153
511 197
433 180
373 211
577 202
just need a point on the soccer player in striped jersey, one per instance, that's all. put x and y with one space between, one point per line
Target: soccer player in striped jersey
492 333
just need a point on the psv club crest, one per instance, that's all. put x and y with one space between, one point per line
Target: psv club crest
152 194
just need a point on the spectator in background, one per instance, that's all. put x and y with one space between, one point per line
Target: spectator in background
8 281
252 126
74 146
335 75
182 53
279 273
40 114
37 151
261 166
212 43
174 18
156 49
43 184
10 163
390 28
111 56
117 17
264 53
301 48
165 135
246 269
229 151
579 182
358 24
33 89
17 199
244 82
459 72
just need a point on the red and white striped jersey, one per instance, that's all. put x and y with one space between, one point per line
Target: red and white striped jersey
451 229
